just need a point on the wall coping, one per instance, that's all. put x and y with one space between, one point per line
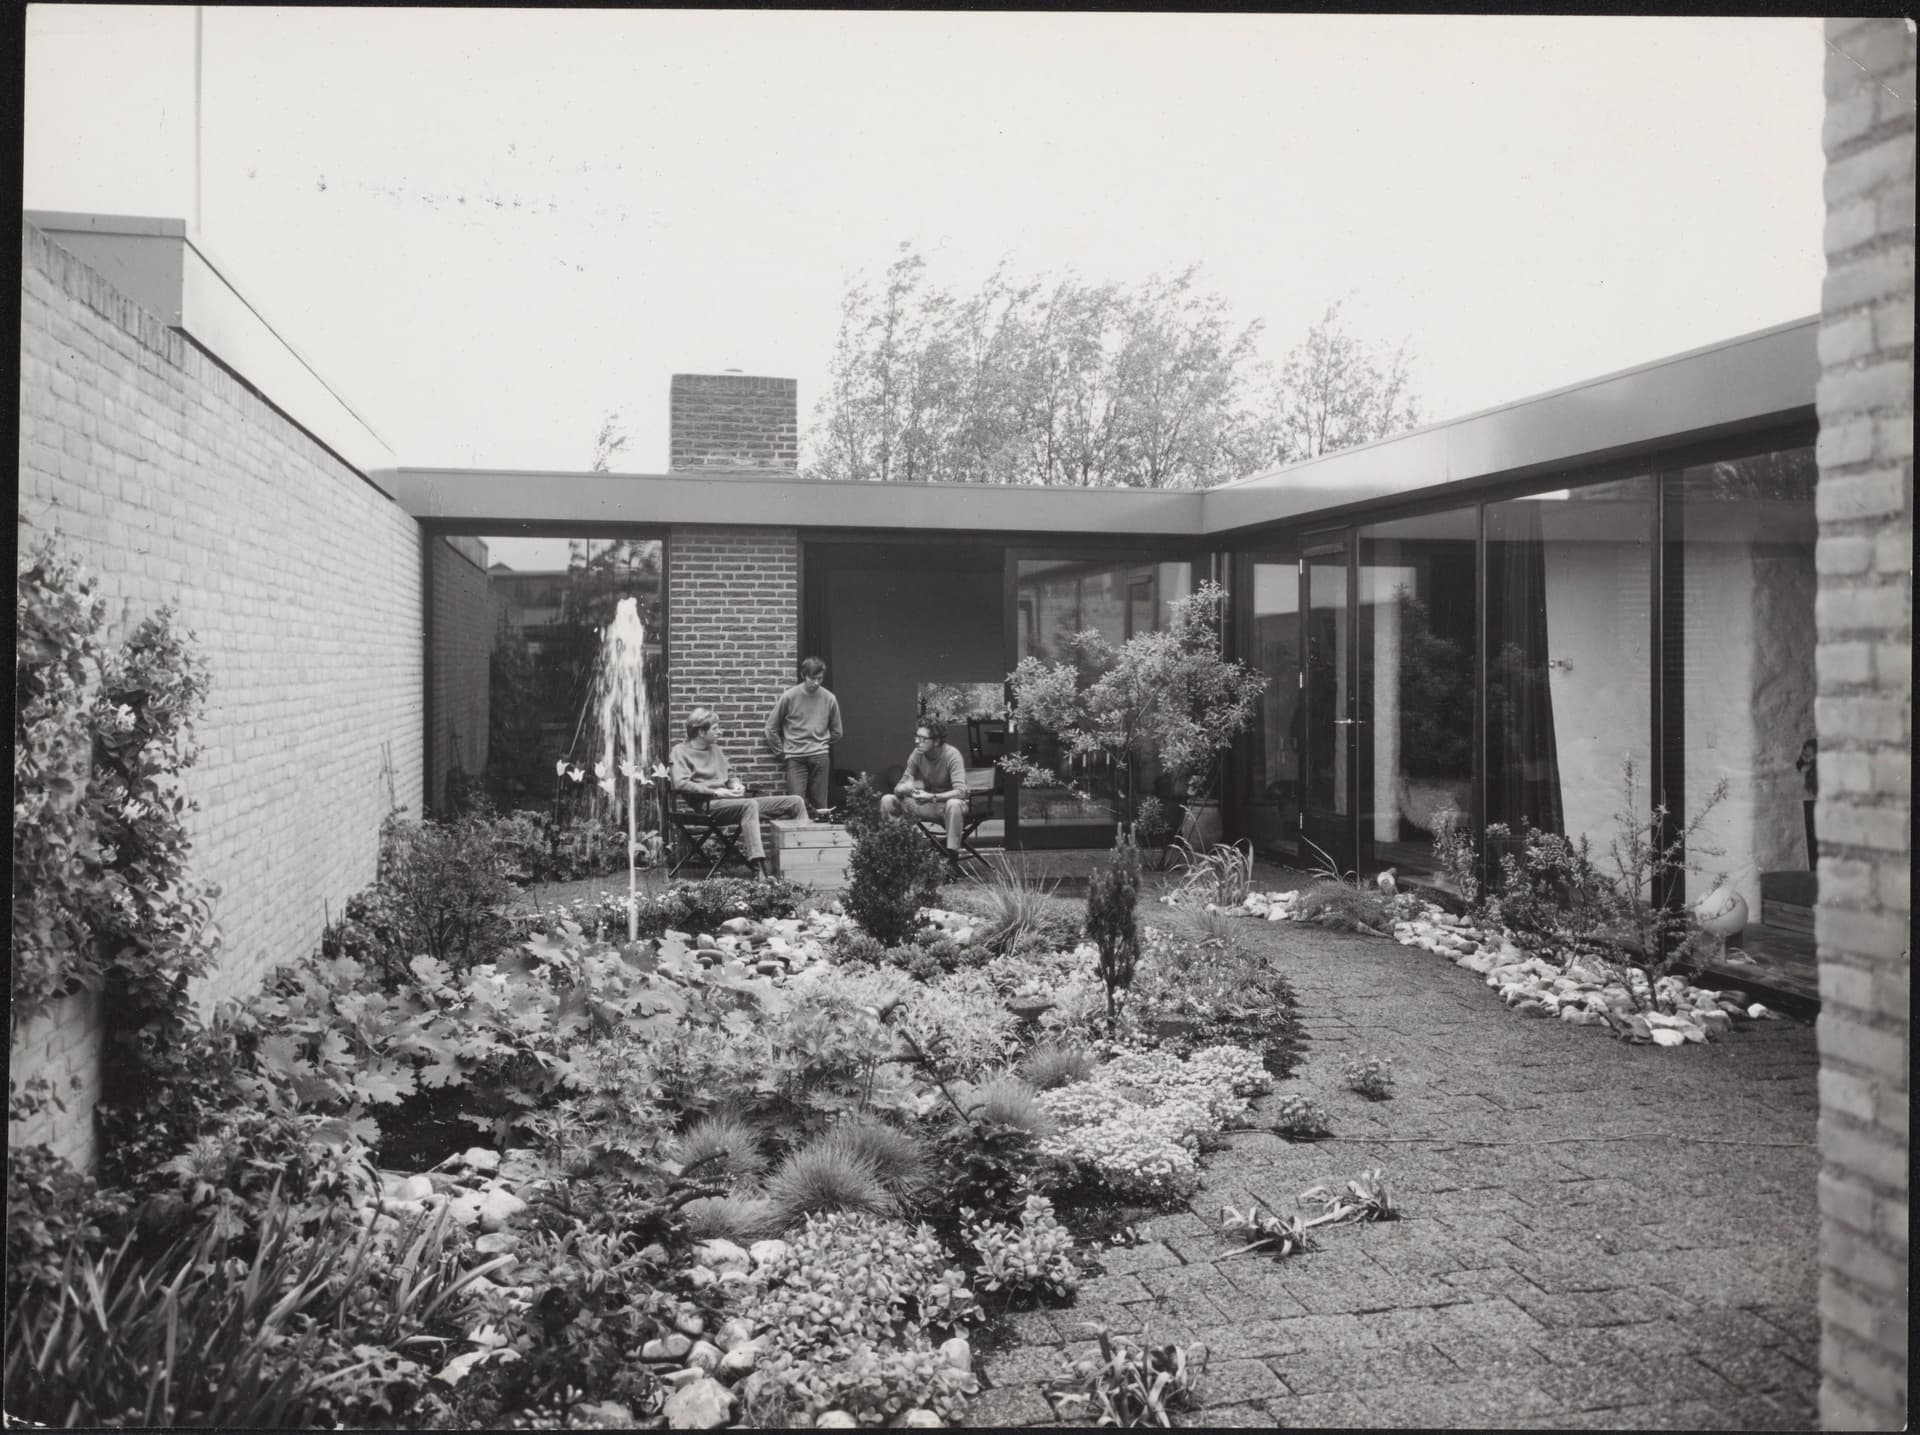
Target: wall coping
163 265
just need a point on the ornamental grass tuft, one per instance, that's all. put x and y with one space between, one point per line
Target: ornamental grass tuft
825 1178
1051 1065
719 1147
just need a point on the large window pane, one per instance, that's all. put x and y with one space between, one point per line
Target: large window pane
1745 669
1416 634
517 634
1056 598
1272 808
1568 655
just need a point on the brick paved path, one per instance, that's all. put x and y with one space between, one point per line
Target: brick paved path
1666 1283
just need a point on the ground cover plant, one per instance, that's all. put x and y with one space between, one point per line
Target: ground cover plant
473 1166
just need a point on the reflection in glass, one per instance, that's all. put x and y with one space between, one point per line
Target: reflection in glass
1056 598
1272 810
1326 724
1745 669
1568 655
1416 660
516 631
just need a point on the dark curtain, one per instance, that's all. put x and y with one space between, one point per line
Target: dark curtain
1523 763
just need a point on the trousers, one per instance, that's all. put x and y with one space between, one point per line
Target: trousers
807 777
930 808
749 811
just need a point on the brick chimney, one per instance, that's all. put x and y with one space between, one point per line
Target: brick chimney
733 423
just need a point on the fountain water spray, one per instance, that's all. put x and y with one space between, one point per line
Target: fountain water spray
625 730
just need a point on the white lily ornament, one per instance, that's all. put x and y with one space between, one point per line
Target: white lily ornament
607 786
629 771
559 767
575 772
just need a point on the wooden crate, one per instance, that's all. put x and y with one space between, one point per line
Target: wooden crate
811 852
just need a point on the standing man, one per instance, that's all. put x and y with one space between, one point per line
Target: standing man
802 729
699 773
934 783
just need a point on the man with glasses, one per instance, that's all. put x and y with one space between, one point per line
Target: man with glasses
699 772
934 783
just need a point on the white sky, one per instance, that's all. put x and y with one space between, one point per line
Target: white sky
488 228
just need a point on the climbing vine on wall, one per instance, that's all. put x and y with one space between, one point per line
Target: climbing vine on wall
102 896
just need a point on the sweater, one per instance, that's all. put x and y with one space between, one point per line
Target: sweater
940 769
690 764
803 724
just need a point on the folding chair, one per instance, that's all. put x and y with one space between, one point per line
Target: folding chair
983 784
695 831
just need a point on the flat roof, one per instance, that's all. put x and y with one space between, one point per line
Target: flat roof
1755 381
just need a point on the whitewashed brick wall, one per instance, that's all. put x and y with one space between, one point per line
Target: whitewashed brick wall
1864 715
178 484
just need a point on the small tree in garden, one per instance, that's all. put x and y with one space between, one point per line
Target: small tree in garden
1112 897
892 873
1168 693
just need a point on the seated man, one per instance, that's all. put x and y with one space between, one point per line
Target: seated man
698 770
935 782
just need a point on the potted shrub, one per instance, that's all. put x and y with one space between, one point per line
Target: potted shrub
1168 694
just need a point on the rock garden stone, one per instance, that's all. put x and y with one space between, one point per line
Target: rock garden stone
667 1347
705 1404
499 1206
835 1420
415 1188
705 1354
957 1353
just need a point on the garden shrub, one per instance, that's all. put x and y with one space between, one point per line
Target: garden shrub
983 1169
893 873
1007 1101
52 1210
860 806
1032 1257
694 907
447 882
1112 897
855 1278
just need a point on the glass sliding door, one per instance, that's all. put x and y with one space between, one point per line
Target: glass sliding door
1568 632
1415 625
1326 818
1055 598
1740 675
1271 786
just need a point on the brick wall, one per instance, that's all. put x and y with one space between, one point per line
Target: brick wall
733 422
1864 718
733 605
177 484
464 618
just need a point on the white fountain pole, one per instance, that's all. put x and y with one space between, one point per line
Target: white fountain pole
623 705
